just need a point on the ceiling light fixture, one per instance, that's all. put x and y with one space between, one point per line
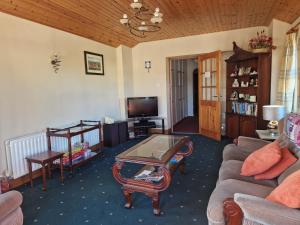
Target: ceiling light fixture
142 21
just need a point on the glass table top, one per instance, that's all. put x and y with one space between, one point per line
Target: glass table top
156 147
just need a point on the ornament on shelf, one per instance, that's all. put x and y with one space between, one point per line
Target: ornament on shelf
253 73
251 82
245 84
247 70
234 96
247 97
241 96
252 98
235 83
241 71
256 83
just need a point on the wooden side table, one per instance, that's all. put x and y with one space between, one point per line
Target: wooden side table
45 159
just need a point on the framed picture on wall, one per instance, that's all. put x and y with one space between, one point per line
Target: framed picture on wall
94 63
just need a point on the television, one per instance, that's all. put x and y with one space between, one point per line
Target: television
142 107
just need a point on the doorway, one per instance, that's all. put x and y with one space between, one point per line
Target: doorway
184 95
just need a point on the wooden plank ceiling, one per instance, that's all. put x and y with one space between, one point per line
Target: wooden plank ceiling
99 19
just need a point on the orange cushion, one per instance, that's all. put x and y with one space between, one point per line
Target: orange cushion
262 159
288 192
286 161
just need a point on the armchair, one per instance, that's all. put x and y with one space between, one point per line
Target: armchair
10 211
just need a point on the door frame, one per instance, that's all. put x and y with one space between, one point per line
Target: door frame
169 84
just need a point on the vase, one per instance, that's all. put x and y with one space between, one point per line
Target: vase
260 50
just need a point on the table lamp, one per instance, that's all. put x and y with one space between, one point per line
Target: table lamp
273 113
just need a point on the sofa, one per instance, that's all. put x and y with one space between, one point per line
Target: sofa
10 210
238 200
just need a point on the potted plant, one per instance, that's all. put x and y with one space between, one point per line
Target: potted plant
261 43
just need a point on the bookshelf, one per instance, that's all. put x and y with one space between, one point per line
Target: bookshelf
248 79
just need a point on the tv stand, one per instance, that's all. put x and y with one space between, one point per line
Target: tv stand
141 126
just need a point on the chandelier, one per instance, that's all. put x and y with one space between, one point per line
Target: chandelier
142 21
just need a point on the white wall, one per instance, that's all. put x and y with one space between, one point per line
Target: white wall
191 66
33 96
124 71
155 82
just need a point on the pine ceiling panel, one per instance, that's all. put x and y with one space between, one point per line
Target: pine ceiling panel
99 19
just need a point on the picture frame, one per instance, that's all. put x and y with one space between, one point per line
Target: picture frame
94 63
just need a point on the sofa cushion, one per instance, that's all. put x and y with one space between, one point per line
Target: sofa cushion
287 160
262 159
233 152
289 171
231 170
227 189
288 192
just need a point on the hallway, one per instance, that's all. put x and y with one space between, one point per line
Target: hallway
187 125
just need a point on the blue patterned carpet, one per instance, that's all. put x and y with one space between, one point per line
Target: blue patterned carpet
93 197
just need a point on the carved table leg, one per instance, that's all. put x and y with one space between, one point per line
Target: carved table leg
232 212
182 167
128 199
155 204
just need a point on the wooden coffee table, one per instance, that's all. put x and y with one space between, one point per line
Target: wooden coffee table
155 152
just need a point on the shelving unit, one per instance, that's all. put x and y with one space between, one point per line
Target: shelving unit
240 120
68 132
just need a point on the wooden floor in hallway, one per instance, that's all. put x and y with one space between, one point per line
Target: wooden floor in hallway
188 124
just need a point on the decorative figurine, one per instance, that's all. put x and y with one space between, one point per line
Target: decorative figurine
241 71
251 82
253 73
244 84
247 70
241 96
234 96
235 83
247 97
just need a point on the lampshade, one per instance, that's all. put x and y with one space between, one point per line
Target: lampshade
273 112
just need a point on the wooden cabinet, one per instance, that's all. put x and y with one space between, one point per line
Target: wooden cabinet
244 102
247 126
232 125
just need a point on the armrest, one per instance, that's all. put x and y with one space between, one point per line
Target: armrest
263 211
9 202
251 144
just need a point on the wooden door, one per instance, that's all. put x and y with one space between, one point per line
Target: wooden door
209 95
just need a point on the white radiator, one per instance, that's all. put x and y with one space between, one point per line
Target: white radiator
18 148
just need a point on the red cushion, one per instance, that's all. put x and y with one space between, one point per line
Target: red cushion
286 161
262 159
288 192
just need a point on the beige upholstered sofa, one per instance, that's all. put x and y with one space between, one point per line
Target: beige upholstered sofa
10 211
248 205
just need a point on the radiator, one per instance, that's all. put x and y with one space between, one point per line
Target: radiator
17 149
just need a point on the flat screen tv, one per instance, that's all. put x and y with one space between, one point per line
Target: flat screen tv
142 107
